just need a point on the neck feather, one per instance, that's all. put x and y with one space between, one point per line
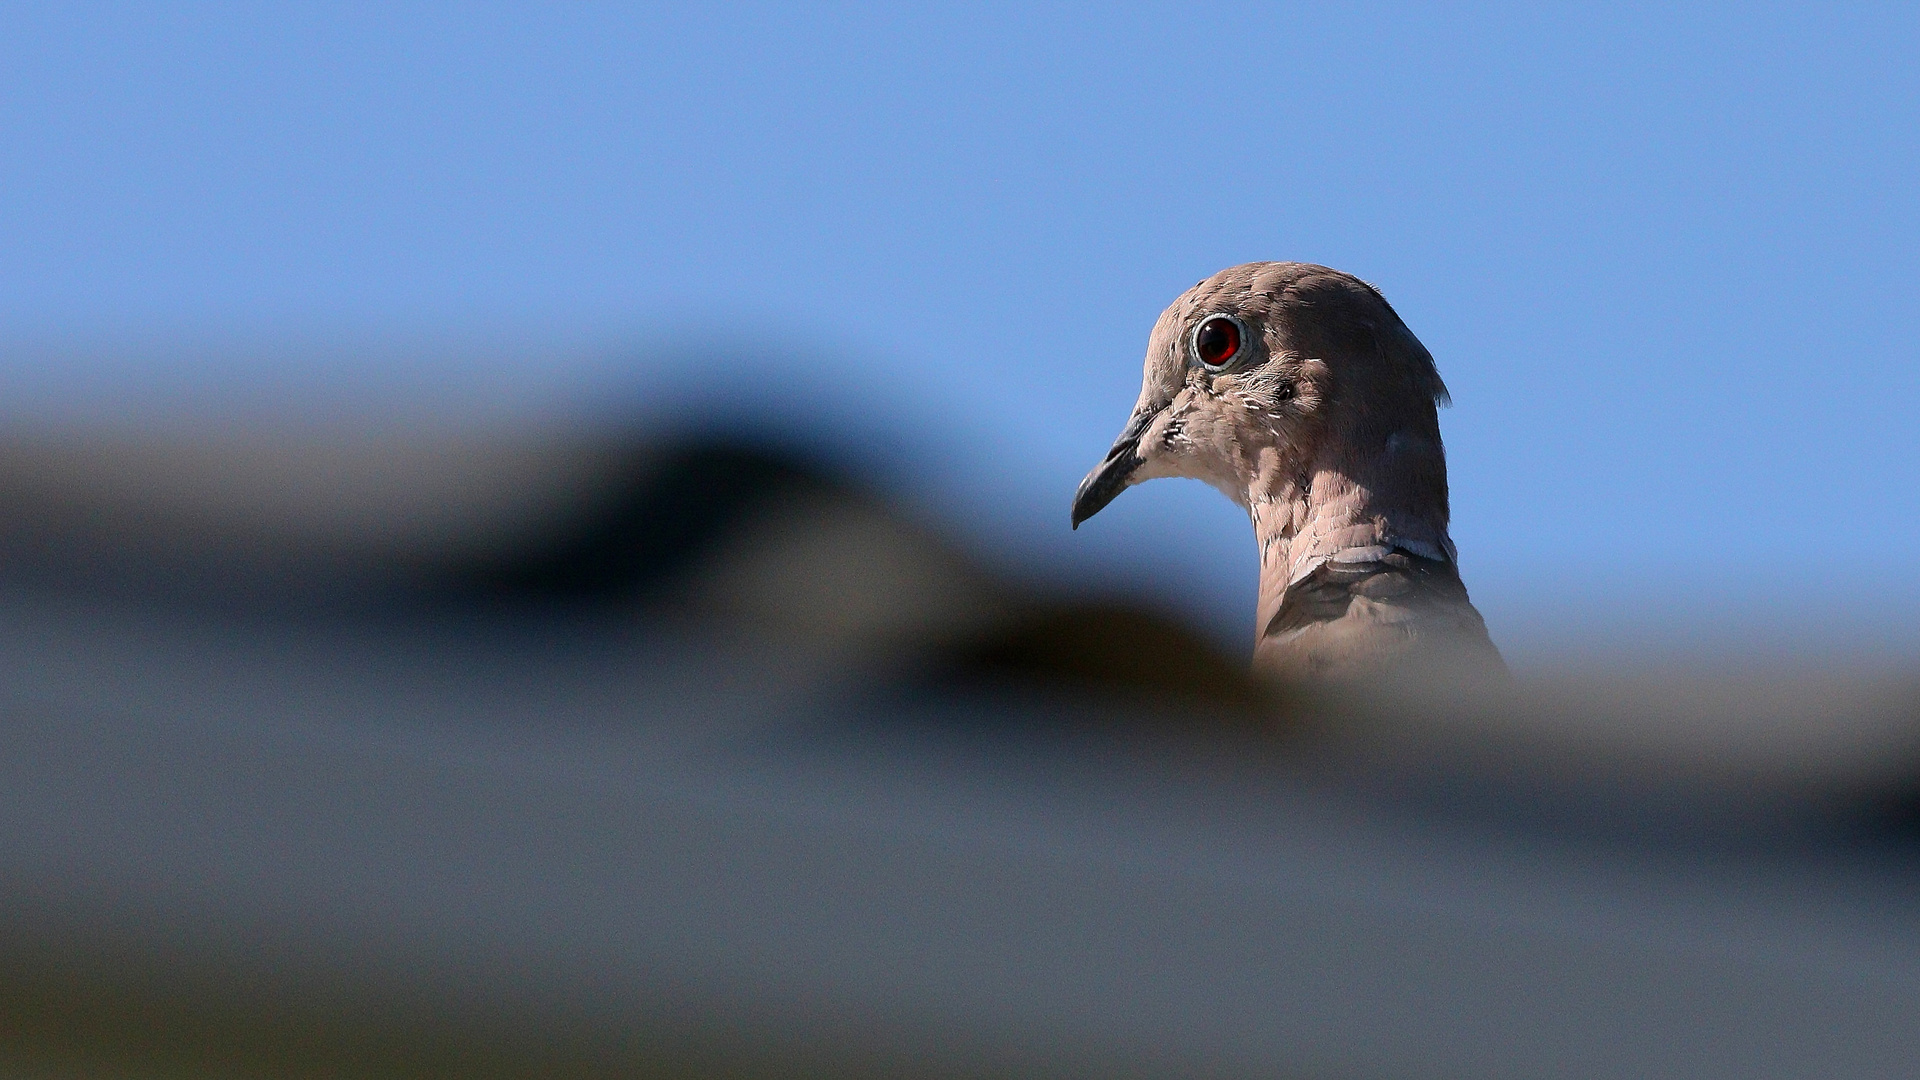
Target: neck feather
1349 505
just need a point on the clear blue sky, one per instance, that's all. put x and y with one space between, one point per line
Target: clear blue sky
1667 261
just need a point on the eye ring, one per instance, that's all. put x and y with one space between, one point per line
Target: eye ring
1218 341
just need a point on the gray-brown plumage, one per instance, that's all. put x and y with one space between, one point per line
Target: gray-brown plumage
1297 391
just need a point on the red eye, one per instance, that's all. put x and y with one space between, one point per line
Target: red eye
1217 341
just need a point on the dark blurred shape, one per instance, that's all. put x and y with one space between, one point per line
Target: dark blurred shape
1118 649
652 515
758 538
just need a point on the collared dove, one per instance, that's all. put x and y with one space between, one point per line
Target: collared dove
1297 391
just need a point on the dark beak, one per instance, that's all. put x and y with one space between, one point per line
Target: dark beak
1109 479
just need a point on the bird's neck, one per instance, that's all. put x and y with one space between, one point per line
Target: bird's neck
1347 507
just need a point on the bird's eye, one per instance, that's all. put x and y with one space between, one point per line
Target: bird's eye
1217 340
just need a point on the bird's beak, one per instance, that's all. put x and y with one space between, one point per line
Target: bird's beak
1110 477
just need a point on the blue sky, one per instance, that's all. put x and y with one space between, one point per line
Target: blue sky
1666 260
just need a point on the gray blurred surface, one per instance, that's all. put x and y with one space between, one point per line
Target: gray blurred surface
696 755
584 827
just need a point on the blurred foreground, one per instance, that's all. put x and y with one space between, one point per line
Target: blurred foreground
585 750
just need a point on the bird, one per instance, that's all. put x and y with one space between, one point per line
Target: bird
1297 391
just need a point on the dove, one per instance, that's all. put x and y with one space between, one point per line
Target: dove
1297 391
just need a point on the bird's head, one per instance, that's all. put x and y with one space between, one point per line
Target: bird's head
1269 373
